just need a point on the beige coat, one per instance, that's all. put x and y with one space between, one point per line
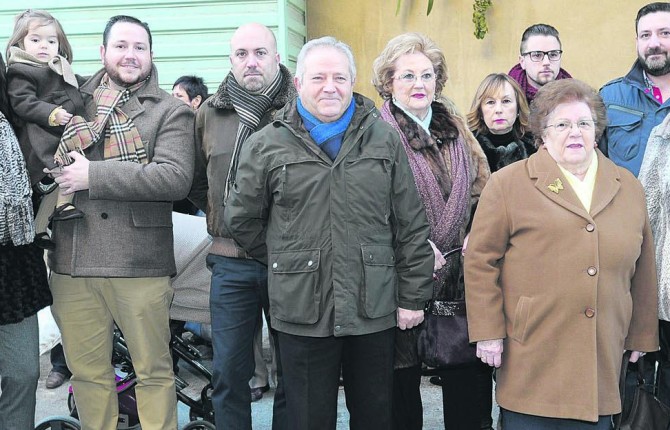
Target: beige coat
566 289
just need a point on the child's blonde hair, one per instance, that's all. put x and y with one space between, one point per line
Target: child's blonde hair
22 24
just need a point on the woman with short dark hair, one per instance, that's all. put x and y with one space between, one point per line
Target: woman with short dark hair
560 273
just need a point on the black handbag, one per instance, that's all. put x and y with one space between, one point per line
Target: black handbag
646 412
443 338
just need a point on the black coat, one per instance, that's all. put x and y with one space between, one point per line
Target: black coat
24 289
503 154
34 92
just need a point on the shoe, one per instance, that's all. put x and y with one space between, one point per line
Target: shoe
257 393
43 240
436 380
65 212
55 379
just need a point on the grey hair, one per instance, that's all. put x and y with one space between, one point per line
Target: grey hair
326 41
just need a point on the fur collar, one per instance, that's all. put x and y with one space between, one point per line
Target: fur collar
503 155
222 100
442 127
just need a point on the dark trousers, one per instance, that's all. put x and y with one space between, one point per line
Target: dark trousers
312 368
467 397
407 406
57 358
238 292
516 421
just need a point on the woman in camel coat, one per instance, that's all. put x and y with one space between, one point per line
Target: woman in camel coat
559 271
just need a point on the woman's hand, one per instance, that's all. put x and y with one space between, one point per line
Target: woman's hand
465 243
439 259
490 352
408 318
635 355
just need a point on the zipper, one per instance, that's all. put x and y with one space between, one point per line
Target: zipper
627 110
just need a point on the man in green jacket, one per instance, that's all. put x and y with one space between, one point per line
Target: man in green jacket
325 196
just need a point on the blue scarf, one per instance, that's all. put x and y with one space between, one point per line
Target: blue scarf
328 135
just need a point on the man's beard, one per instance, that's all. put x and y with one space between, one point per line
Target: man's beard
254 84
115 76
655 67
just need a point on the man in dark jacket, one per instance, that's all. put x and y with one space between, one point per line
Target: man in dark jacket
326 197
254 89
114 265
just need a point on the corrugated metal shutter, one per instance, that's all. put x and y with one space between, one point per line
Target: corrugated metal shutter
189 37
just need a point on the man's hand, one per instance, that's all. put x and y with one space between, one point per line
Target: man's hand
72 178
635 355
408 319
490 352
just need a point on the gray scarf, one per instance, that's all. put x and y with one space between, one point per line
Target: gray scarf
250 108
16 208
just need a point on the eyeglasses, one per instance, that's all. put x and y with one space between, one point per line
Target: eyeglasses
538 56
410 78
582 124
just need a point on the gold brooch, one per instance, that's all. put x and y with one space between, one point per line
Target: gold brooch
556 186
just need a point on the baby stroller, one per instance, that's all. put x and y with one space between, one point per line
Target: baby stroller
190 303
200 409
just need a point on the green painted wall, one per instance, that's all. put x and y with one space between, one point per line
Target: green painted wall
189 37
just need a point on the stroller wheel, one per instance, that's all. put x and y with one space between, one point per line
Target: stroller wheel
59 423
199 425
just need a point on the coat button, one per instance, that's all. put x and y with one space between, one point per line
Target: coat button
274 265
592 271
104 215
338 328
309 263
589 312
590 227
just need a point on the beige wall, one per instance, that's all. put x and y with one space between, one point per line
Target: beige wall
598 36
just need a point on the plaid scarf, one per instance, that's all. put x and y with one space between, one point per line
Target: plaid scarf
250 108
122 140
16 208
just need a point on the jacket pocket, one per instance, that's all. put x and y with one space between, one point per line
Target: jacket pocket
620 137
151 214
521 315
294 286
368 186
380 279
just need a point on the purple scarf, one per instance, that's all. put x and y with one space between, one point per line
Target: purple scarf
445 218
519 75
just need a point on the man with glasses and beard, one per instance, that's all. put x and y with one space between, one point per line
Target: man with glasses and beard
636 103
